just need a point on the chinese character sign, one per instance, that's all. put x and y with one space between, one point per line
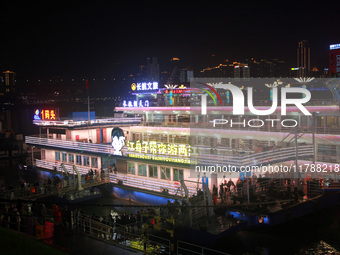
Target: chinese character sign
144 86
155 148
44 114
135 103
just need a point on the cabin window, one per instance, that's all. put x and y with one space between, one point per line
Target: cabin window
142 169
78 159
43 154
86 161
131 168
71 158
165 173
153 171
64 157
178 174
94 162
57 156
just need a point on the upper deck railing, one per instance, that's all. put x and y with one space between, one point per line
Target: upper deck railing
311 102
80 123
72 145
265 128
268 157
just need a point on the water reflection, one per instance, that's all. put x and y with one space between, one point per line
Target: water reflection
318 248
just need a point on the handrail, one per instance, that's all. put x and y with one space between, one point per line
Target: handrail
264 128
90 147
131 181
281 154
71 123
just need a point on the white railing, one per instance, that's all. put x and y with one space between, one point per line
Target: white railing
277 155
90 147
51 165
127 180
71 123
149 184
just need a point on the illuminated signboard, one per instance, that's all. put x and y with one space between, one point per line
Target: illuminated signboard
169 152
144 86
334 60
118 140
174 86
174 91
44 114
160 148
136 103
163 158
334 46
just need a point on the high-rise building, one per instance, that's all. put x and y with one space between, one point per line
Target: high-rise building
334 60
303 58
152 69
186 75
7 83
222 70
241 71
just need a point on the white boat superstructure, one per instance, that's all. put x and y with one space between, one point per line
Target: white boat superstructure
164 144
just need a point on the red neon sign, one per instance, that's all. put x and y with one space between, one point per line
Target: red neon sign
174 91
48 114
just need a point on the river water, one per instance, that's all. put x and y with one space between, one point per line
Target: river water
316 234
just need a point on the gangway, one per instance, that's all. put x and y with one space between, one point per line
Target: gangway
80 187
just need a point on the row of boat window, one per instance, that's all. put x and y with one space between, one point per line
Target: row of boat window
152 171
141 169
78 159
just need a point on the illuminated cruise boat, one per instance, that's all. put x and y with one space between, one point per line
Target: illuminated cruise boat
165 145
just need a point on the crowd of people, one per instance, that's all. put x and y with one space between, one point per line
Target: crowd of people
25 216
284 188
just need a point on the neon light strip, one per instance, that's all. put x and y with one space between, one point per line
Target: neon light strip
210 87
224 108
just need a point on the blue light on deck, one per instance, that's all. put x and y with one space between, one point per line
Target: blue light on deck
265 220
141 197
235 214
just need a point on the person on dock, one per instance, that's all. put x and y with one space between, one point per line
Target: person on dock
57 214
214 193
114 168
230 185
222 193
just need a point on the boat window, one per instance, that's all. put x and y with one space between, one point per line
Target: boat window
153 171
94 162
131 168
86 161
178 174
165 173
57 156
64 157
142 169
78 159
71 158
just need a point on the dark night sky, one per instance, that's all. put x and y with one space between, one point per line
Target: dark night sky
103 39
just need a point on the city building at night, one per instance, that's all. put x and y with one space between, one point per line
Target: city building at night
249 68
303 58
7 83
334 60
